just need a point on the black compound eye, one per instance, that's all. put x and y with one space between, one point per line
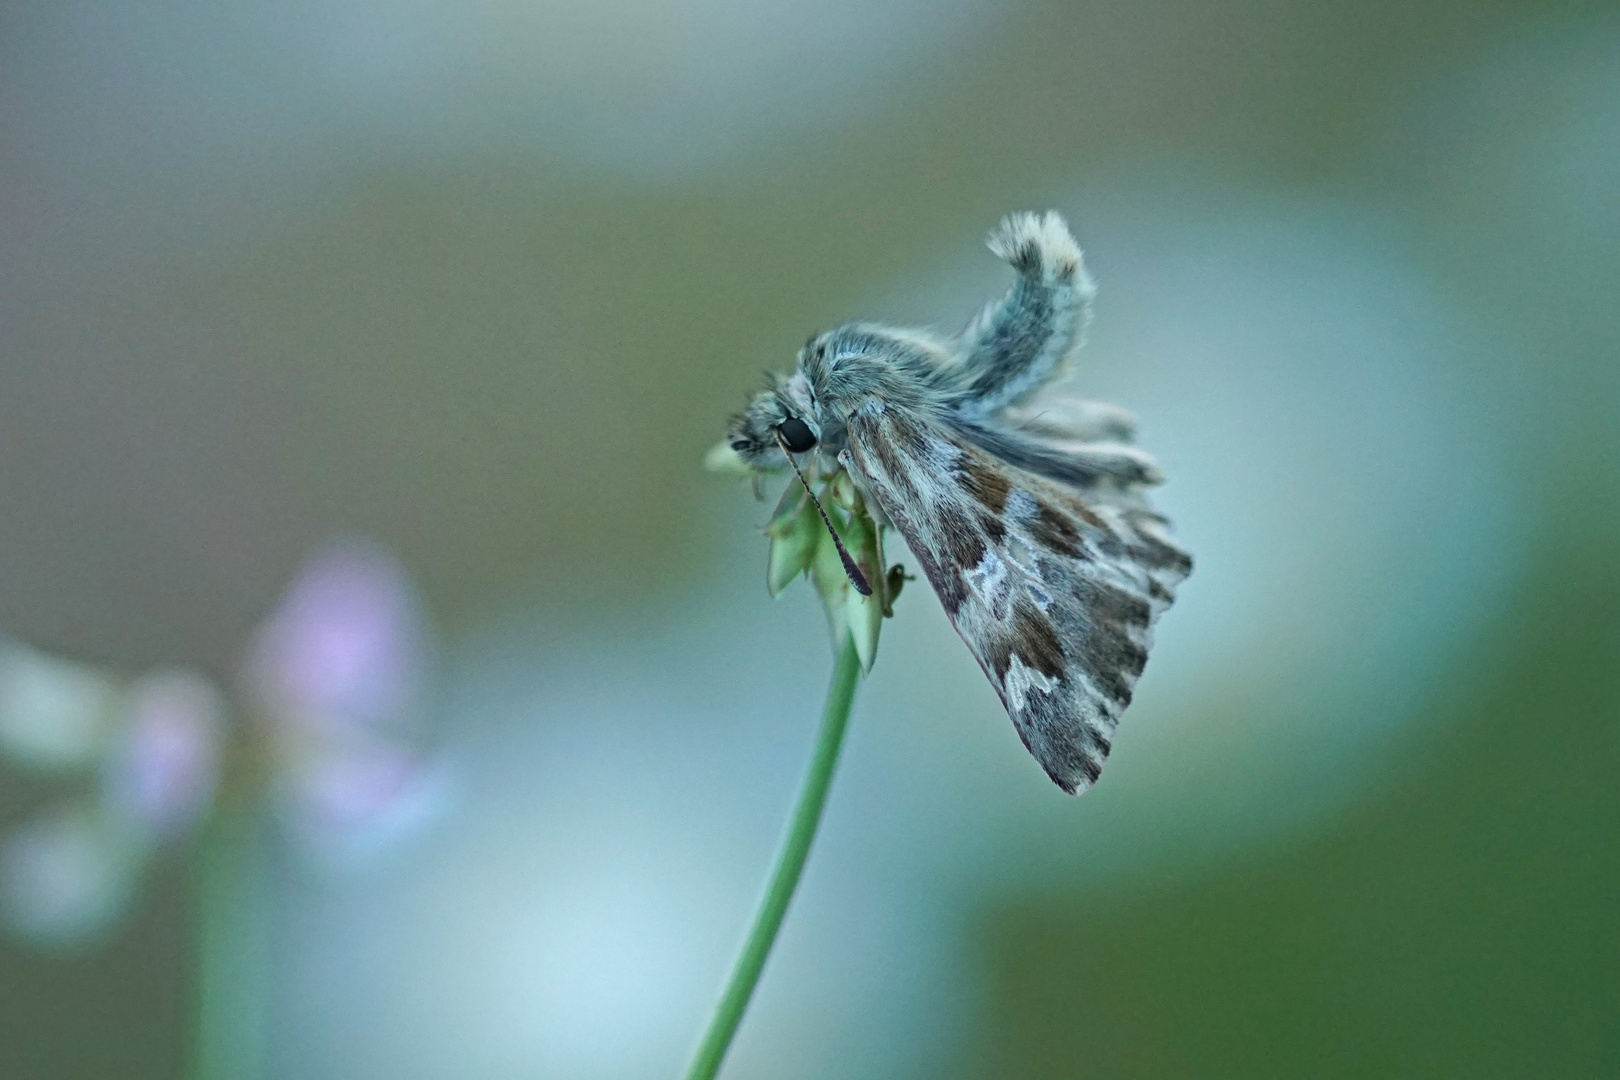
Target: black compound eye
796 434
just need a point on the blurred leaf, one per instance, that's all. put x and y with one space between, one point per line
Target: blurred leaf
1464 926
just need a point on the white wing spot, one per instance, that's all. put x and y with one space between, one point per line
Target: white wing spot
1021 680
1021 554
1021 505
987 578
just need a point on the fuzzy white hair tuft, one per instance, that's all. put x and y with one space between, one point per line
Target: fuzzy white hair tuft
1041 246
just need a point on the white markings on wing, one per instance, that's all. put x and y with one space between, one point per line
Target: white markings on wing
1021 680
1054 593
987 578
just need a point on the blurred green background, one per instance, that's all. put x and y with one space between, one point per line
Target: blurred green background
482 283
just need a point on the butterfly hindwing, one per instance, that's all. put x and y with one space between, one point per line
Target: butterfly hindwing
1055 590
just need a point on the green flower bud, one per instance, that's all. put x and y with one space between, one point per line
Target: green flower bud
848 612
844 492
721 458
801 544
864 616
796 533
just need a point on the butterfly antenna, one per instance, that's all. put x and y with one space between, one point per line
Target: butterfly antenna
856 578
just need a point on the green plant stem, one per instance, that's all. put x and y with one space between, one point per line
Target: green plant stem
728 1013
231 948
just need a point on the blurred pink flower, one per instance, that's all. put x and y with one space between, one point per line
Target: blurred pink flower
69 872
338 676
345 652
345 807
163 770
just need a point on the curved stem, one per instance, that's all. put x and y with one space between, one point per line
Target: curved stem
728 1013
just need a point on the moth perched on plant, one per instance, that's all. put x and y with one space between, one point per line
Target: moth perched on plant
1025 510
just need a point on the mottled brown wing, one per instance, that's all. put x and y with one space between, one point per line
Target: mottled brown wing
1054 590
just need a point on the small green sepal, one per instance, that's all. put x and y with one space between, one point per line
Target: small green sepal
721 458
801 544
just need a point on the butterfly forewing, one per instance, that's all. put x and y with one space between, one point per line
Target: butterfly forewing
1054 589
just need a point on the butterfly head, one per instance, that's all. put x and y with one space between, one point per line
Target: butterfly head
839 371
781 415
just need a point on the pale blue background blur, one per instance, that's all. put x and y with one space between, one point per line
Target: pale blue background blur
483 281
